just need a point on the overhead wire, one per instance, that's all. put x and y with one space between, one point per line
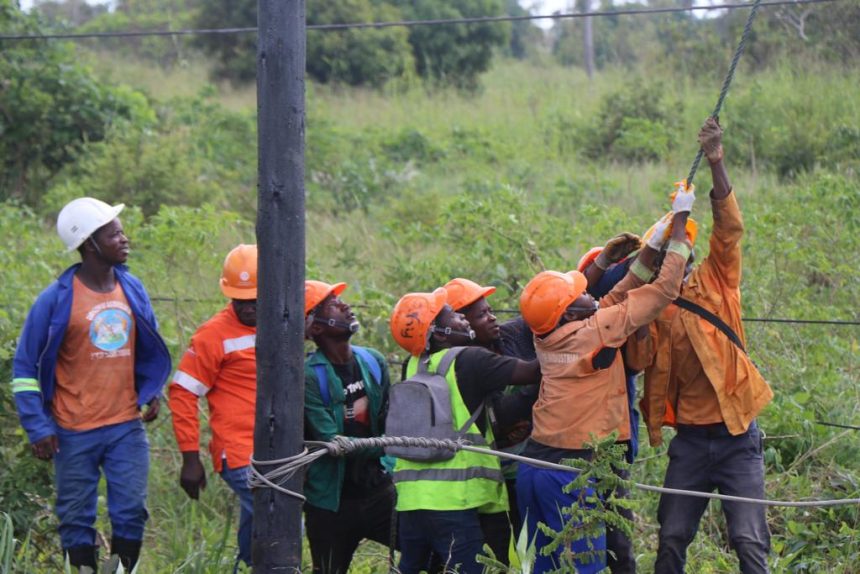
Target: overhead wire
405 23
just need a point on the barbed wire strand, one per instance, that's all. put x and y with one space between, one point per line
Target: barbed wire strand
404 23
340 446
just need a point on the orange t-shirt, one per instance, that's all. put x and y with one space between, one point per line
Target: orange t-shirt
95 367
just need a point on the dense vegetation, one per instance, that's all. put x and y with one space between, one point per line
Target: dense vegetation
414 183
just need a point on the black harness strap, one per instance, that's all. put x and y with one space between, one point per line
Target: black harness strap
710 318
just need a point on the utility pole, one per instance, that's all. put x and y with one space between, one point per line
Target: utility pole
277 543
587 38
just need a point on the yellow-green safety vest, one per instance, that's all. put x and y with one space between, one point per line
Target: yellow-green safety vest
469 480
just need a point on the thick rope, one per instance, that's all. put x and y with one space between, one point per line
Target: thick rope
340 446
726 83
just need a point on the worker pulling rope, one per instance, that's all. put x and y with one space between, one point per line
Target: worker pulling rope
341 446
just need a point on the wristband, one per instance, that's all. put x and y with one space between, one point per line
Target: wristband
641 271
682 248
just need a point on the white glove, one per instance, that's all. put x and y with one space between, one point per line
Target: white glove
658 233
683 198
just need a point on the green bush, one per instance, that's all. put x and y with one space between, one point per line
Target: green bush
633 124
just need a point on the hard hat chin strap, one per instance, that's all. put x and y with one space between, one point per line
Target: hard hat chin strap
352 327
470 334
96 245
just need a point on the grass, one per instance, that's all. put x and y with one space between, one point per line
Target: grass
521 131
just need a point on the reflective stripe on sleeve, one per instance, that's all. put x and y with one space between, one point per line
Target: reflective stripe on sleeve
189 383
449 474
239 343
22 385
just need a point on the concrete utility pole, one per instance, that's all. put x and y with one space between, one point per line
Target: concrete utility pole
277 541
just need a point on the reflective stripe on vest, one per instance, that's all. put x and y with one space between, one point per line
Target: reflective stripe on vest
469 480
448 474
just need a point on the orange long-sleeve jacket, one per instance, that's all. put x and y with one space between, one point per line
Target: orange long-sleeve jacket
221 365
716 382
577 397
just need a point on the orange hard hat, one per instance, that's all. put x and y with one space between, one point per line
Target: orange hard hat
317 291
546 297
413 316
588 258
463 292
239 275
692 230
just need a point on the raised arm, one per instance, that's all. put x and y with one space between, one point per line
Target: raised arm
724 259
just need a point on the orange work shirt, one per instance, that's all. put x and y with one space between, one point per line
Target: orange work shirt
221 365
95 365
696 374
578 398
690 391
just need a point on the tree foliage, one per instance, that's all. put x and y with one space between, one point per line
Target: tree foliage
51 106
454 54
359 56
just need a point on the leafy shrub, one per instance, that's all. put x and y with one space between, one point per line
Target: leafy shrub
788 124
411 144
52 108
357 57
640 139
632 124
196 152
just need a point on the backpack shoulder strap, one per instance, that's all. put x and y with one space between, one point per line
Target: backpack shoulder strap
370 361
465 428
442 369
322 379
448 360
710 318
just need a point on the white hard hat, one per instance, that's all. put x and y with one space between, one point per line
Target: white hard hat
81 217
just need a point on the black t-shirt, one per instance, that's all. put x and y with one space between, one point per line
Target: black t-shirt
356 406
517 340
361 474
480 373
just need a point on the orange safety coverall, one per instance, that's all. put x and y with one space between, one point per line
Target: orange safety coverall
221 365
716 382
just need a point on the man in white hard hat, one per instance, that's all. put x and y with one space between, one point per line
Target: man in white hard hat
221 365
88 370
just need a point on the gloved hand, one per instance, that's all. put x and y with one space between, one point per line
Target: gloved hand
682 197
711 140
658 233
617 249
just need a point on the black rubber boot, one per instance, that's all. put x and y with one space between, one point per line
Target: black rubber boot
127 550
83 556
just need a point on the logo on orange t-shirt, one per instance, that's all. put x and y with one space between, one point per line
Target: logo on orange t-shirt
95 366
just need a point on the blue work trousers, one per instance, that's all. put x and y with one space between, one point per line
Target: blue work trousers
455 536
541 498
237 480
707 458
121 452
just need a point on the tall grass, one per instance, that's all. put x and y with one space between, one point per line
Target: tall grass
500 169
